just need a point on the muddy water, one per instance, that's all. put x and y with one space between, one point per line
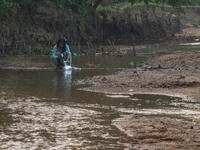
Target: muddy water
42 109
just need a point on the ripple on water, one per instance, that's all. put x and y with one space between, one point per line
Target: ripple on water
41 125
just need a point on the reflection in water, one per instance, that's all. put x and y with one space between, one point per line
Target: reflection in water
35 115
62 83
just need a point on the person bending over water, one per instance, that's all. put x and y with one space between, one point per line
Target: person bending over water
61 53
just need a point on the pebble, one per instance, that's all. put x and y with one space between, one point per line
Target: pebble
131 90
147 101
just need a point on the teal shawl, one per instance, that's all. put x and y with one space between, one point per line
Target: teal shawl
54 57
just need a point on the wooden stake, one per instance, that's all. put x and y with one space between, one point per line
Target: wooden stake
79 48
4 46
89 48
134 56
95 49
29 50
16 48
113 47
112 44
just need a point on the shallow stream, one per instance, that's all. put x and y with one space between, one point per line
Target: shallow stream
42 109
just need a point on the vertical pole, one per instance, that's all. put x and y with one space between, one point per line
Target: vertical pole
48 48
3 46
113 47
95 49
29 50
16 48
79 47
134 56
89 48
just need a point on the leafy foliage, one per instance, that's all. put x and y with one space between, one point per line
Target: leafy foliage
7 7
173 3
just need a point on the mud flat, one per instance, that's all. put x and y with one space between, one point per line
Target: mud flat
173 74
147 132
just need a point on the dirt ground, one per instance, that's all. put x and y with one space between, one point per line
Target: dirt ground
175 75
147 133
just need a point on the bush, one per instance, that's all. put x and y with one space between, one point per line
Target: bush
194 24
107 9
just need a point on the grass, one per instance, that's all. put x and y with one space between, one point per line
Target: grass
131 8
191 6
155 4
122 4
107 9
194 24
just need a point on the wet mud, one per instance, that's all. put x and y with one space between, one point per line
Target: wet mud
62 117
172 74
161 74
147 132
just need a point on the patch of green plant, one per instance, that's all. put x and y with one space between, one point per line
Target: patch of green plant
194 24
100 17
85 51
160 4
75 50
172 12
50 52
182 14
14 51
122 4
107 9
131 8
9 43
7 7
190 6
39 50
47 2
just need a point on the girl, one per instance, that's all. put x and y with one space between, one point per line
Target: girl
61 53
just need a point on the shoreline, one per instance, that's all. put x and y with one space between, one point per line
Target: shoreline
175 78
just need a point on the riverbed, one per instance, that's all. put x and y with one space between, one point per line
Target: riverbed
42 108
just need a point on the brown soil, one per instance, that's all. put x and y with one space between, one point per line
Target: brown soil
173 74
147 133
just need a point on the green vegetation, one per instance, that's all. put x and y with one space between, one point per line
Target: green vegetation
21 15
122 4
85 6
194 24
160 4
107 9
131 8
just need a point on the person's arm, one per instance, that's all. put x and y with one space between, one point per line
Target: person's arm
67 58
54 52
70 56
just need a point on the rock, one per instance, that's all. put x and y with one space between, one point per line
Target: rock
131 90
104 79
147 101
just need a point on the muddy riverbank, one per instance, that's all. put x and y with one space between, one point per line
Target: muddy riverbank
158 133
172 74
